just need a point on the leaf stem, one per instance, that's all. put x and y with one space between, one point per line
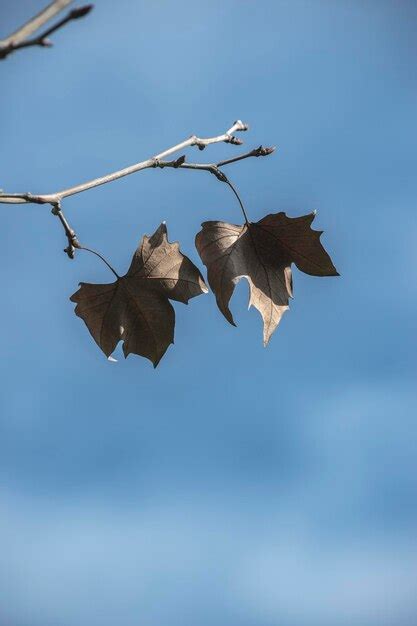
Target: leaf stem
239 199
80 247
214 168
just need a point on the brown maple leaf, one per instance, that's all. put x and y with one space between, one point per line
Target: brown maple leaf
135 308
261 252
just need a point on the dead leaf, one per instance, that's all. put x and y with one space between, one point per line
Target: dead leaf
261 252
136 308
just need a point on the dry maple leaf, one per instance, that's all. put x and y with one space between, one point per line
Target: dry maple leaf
261 252
135 308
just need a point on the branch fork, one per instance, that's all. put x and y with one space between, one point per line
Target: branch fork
55 199
201 143
23 38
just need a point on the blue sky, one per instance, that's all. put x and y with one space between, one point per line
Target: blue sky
233 485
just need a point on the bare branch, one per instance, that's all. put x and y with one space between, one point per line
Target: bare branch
213 168
257 152
19 39
36 22
55 198
70 234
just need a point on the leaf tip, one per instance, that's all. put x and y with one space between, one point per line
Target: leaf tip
266 339
161 230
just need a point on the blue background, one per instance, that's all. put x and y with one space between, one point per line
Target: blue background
233 485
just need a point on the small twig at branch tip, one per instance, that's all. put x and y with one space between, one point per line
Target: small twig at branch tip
70 252
81 11
70 234
242 126
263 151
73 244
234 140
42 39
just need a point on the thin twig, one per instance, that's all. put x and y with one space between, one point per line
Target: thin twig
54 198
213 168
73 243
36 22
70 234
257 152
155 162
19 40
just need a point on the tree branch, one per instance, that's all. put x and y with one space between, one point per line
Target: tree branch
257 152
213 168
19 39
56 198
70 234
36 22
